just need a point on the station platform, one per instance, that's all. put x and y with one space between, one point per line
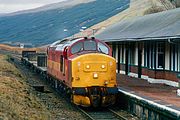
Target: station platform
160 95
158 92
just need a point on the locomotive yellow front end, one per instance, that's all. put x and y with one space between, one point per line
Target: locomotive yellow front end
94 80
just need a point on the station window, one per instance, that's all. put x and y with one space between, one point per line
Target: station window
174 58
160 55
102 48
114 51
122 55
150 55
146 54
132 54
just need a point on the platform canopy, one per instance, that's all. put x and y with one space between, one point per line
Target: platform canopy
154 26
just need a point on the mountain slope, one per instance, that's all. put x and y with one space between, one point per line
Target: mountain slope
47 25
136 8
62 5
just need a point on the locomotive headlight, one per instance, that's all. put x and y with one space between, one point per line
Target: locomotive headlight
106 82
95 75
103 66
87 66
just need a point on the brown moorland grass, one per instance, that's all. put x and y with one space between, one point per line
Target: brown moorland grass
16 102
19 50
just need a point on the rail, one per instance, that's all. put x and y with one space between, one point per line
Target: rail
106 113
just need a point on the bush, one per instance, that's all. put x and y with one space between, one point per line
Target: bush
154 9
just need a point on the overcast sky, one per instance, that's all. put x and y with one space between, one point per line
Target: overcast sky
7 6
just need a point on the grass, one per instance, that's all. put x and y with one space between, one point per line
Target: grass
16 102
19 50
154 9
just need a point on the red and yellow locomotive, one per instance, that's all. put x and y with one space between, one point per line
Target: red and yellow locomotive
84 68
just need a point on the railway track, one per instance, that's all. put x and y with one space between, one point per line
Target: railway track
105 114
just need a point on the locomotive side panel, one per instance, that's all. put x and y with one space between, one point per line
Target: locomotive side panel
58 67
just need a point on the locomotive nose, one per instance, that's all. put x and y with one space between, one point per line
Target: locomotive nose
93 70
96 73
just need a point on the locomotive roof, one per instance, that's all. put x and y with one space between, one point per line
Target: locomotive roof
61 44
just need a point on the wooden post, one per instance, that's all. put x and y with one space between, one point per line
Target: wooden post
118 59
139 61
127 59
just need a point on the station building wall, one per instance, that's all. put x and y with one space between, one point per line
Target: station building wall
160 60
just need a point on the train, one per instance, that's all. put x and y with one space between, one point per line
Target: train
84 69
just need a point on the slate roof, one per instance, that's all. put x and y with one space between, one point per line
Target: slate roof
154 26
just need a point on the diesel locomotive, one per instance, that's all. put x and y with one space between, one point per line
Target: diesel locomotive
85 69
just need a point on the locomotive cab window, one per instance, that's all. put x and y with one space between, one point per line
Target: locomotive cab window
102 48
89 45
77 48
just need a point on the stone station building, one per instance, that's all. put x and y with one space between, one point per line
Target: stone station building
147 47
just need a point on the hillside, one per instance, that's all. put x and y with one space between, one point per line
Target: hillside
137 8
62 5
47 24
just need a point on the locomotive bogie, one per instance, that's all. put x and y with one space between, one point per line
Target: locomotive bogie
81 100
94 96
